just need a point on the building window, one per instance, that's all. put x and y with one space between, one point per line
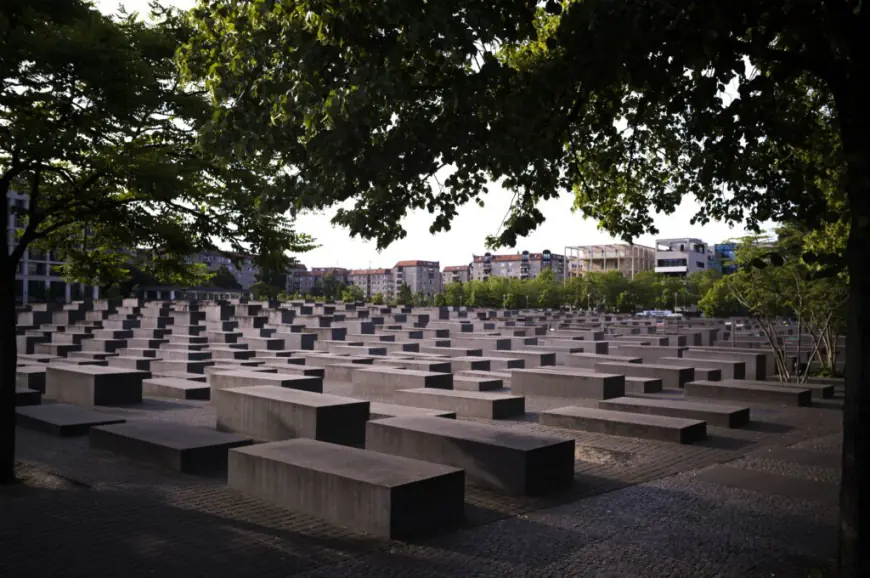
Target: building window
671 263
699 264
36 268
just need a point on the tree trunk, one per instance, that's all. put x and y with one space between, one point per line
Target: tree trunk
854 560
8 362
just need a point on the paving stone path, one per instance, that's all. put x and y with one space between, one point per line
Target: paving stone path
756 502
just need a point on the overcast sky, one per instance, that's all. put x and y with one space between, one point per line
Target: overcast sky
562 228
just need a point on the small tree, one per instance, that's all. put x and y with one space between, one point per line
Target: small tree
718 301
352 293
224 279
99 133
264 291
378 299
440 300
454 294
773 281
626 302
404 296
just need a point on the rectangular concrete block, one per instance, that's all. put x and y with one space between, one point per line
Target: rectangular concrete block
767 394
383 495
185 366
530 358
383 410
270 413
465 403
417 364
728 416
672 376
91 385
502 376
293 369
506 459
176 388
61 419
342 372
643 385
453 351
476 383
649 353
588 360
755 361
25 396
31 377
618 423
729 369
236 378
187 449
375 380
130 362
818 390
577 383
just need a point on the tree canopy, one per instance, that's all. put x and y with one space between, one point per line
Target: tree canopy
223 278
631 105
101 134
756 108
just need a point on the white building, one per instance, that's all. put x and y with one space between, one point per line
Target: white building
421 276
682 257
39 275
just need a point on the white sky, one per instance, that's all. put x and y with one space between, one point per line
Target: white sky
455 247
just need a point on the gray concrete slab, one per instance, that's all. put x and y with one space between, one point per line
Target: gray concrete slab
384 495
187 449
749 393
481 404
270 413
61 419
728 416
508 460
619 423
176 388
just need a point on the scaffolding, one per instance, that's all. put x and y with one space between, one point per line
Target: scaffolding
628 259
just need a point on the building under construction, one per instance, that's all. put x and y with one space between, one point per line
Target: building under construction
629 259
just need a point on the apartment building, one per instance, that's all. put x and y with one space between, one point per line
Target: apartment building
724 254
523 265
421 276
302 280
455 274
373 281
622 257
39 277
340 274
245 272
683 256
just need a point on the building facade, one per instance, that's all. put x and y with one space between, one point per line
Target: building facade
373 281
683 256
455 274
39 277
724 254
523 265
245 272
303 281
622 257
421 276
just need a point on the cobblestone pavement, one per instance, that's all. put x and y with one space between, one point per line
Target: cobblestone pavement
749 503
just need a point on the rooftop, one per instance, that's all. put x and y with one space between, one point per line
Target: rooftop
370 272
417 264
